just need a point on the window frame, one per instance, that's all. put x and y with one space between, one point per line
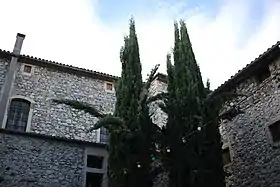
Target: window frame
99 152
102 133
105 87
227 146
31 108
26 73
99 160
228 152
269 134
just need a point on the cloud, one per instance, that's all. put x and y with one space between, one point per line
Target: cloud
71 32
67 31
217 41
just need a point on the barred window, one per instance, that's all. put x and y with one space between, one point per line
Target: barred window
27 69
18 115
104 135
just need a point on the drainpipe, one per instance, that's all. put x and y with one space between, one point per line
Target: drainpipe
10 77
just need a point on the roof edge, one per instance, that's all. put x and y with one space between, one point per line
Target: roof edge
161 77
270 53
69 68
52 138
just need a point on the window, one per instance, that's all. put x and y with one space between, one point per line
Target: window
226 156
94 179
275 131
104 135
94 161
109 86
262 74
27 68
18 115
95 170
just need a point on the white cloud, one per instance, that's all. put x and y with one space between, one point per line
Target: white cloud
70 32
216 42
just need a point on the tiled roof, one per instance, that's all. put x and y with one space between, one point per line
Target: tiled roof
39 61
272 51
162 77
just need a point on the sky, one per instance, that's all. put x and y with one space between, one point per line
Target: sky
225 34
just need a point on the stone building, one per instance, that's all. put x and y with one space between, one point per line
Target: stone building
251 139
46 144
42 143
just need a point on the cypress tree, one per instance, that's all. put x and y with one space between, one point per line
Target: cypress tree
187 151
129 86
128 92
132 107
130 128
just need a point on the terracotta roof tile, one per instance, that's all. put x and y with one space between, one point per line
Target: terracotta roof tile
48 62
160 75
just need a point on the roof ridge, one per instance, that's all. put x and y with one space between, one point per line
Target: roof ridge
248 65
62 64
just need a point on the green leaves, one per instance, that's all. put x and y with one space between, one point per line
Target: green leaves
80 106
109 122
188 109
133 135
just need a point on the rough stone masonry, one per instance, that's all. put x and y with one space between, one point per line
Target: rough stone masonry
43 83
255 157
32 161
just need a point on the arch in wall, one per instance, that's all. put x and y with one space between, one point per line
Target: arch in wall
18 115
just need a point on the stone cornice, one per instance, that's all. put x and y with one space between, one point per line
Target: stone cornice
54 138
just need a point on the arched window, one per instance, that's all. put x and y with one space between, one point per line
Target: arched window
18 114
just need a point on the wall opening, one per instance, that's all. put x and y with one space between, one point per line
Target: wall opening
262 74
226 156
18 115
94 161
274 130
94 179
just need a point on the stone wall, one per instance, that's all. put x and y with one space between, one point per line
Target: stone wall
45 84
159 116
32 162
255 158
3 70
48 118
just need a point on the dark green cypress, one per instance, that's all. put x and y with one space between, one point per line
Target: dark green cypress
132 107
129 86
188 161
128 90
191 61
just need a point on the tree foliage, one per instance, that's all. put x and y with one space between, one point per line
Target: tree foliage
189 145
192 158
132 132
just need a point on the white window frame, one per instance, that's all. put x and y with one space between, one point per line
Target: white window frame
25 73
105 87
28 126
96 151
